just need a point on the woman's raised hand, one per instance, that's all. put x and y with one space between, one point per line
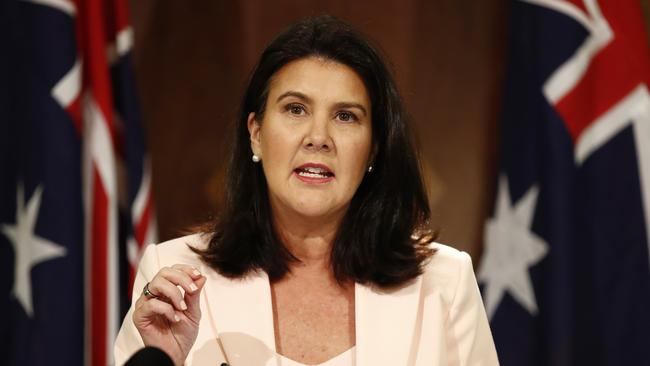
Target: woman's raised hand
167 317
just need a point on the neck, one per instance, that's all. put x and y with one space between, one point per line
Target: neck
308 239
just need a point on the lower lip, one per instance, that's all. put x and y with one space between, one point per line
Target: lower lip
310 180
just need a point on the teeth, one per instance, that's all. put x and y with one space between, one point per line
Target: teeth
311 175
315 170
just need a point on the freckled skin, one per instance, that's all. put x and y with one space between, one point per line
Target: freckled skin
313 317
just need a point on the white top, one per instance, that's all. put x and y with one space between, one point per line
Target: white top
438 319
346 358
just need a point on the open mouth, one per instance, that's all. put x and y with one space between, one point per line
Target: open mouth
314 171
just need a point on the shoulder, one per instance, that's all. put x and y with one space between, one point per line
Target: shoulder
175 251
447 271
446 255
446 260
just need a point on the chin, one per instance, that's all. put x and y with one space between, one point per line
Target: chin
316 209
313 212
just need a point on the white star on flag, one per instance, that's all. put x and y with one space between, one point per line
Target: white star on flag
511 248
29 249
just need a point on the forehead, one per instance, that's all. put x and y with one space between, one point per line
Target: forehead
320 78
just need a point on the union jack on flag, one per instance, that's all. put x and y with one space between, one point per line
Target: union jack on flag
566 269
75 184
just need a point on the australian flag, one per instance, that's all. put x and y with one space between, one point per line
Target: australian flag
75 196
565 273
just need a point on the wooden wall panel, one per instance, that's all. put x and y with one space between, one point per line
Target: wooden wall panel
192 60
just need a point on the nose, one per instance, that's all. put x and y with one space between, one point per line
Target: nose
318 137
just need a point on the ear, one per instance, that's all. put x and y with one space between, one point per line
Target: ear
254 130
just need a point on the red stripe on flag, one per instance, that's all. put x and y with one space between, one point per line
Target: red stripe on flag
120 15
580 4
97 84
96 70
615 71
99 272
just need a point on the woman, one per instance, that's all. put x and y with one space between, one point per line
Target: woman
322 253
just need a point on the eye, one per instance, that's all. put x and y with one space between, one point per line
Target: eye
296 109
345 116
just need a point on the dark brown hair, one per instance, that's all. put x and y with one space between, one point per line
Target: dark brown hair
375 242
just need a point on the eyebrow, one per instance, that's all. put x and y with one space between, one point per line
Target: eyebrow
296 94
347 105
301 96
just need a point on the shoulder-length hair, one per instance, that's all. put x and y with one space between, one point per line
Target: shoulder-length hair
383 238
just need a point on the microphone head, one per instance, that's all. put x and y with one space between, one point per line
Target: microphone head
150 356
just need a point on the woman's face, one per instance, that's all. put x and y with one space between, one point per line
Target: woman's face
315 138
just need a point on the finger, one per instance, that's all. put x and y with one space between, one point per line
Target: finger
193 300
164 289
190 270
178 277
154 308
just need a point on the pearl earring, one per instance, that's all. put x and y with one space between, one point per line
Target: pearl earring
370 168
255 158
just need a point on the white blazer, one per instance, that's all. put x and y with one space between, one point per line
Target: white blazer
437 319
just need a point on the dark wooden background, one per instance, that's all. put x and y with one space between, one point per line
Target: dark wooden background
192 59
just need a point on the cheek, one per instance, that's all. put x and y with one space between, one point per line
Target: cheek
274 144
362 147
356 157
278 151
278 133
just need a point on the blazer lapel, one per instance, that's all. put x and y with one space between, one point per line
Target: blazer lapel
385 324
241 313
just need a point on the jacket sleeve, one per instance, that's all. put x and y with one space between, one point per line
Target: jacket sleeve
128 339
470 340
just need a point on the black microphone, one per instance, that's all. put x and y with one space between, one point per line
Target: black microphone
150 356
